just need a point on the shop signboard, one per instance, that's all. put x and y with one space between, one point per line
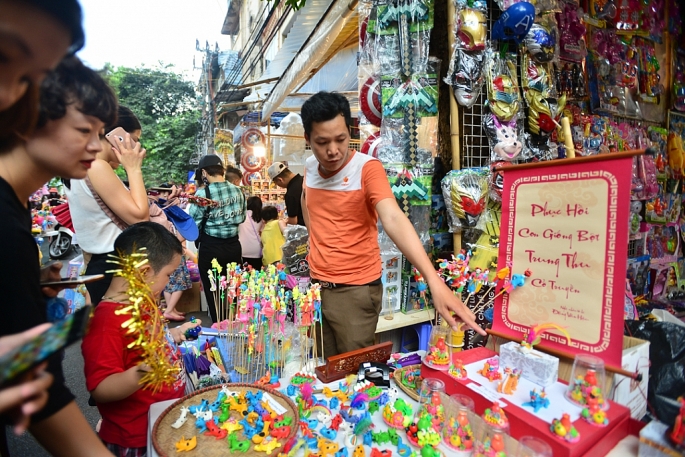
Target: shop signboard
566 222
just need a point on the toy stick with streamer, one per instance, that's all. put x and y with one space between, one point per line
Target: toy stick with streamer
517 280
146 324
501 274
534 335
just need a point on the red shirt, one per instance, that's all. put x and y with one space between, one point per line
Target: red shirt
104 350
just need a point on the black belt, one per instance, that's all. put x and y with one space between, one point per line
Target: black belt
333 285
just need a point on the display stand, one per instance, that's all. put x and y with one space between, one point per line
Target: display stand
594 441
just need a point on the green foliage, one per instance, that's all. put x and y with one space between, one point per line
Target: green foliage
166 106
295 4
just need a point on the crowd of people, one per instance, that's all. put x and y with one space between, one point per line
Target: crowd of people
60 118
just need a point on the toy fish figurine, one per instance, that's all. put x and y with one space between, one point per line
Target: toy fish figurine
185 445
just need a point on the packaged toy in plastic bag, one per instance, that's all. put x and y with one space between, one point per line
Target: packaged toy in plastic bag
502 86
465 192
295 250
503 137
466 76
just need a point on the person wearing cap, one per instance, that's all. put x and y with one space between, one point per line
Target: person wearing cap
345 192
281 175
218 226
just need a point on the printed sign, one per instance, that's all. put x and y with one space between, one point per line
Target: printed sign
568 224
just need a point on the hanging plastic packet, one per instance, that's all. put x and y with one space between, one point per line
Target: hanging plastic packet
295 250
502 86
537 149
496 180
471 29
571 33
541 40
465 192
466 76
514 22
503 137
537 76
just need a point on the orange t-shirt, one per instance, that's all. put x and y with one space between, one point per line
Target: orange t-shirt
343 236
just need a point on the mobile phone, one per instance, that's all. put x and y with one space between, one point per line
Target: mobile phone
73 281
119 133
59 336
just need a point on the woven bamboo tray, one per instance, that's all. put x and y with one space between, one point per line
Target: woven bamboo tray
397 376
164 437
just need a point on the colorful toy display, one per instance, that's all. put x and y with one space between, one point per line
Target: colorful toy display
538 400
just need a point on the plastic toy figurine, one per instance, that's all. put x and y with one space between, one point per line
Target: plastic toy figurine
457 370
510 381
182 418
538 400
677 435
231 425
186 445
375 452
327 447
238 445
495 416
403 450
491 369
214 430
359 451
585 390
268 446
564 429
458 434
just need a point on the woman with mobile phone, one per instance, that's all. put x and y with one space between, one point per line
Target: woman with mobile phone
76 103
101 206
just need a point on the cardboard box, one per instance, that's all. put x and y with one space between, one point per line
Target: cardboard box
190 300
538 367
654 441
628 392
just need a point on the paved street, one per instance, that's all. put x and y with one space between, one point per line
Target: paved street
25 445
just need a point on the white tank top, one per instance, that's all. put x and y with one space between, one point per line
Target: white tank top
95 231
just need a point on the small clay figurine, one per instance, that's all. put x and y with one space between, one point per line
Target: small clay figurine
563 429
510 381
457 370
438 355
491 369
494 415
537 400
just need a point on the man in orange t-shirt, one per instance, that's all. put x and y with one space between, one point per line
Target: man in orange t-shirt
344 194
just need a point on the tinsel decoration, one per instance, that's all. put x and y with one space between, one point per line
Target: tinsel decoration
146 324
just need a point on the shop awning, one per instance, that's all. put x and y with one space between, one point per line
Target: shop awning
336 30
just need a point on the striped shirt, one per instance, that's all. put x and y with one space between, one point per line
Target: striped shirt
223 220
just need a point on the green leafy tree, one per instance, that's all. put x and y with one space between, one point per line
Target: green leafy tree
167 108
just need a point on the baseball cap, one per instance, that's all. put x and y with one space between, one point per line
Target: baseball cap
276 169
209 160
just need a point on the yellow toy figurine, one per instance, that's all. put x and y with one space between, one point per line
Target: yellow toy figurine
186 445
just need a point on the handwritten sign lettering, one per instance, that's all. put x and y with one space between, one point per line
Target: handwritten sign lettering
567 223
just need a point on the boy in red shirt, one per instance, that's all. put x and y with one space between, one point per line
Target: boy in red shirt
112 371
